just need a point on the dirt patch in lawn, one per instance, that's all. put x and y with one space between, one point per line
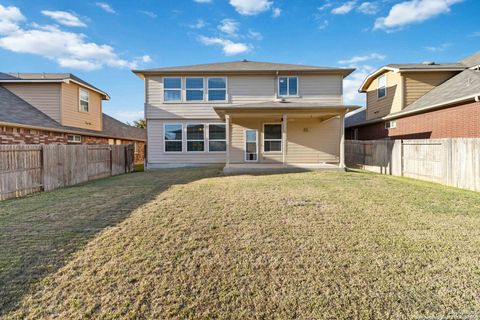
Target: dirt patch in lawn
319 245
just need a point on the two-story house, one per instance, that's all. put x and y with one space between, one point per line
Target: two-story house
245 115
60 108
425 100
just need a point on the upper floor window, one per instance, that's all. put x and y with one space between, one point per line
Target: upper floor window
287 86
217 89
194 89
172 89
84 97
382 86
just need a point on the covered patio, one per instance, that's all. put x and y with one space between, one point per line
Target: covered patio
284 136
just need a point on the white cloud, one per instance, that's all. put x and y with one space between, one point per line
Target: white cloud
356 59
368 8
251 7
229 27
229 47
203 1
344 8
199 24
255 35
127 116
325 6
68 49
353 82
146 58
150 14
322 24
442 47
276 12
65 18
9 18
105 7
413 11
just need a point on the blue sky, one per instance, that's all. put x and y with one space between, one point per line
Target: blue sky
101 41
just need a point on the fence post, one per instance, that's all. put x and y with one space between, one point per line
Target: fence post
111 160
401 157
448 161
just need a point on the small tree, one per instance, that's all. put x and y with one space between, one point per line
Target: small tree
140 123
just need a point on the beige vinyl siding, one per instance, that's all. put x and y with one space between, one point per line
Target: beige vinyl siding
71 114
156 154
376 107
313 141
419 83
324 89
43 96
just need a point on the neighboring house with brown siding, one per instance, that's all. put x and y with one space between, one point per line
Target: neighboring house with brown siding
245 115
423 101
59 109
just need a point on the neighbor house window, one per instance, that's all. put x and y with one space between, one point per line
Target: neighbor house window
272 137
195 137
74 138
194 89
173 137
84 97
172 89
288 86
382 86
390 124
217 138
217 89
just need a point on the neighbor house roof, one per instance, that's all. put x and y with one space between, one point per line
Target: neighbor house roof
14 110
464 86
471 61
48 77
244 66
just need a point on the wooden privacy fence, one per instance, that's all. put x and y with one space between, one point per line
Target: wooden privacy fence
25 169
453 162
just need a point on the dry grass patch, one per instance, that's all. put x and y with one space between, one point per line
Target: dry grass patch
319 245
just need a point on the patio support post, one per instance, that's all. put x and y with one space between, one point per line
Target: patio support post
284 138
342 141
227 133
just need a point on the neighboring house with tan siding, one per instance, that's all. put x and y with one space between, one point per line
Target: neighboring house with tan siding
245 115
59 108
426 100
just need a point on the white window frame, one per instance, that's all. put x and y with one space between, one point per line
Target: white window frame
181 90
208 89
181 140
203 89
245 144
390 124
288 86
187 140
208 135
379 87
355 134
73 140
80 108
281 139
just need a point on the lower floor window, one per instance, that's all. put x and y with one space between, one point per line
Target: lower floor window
173 138
272 137
74 138
195 137
217 138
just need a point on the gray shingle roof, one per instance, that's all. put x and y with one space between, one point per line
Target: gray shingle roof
15 110
471 61
244 66
45 77
357 117
425 66
463 85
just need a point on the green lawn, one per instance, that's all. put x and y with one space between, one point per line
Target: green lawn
192 243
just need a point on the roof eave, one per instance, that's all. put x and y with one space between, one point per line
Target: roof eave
141 73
